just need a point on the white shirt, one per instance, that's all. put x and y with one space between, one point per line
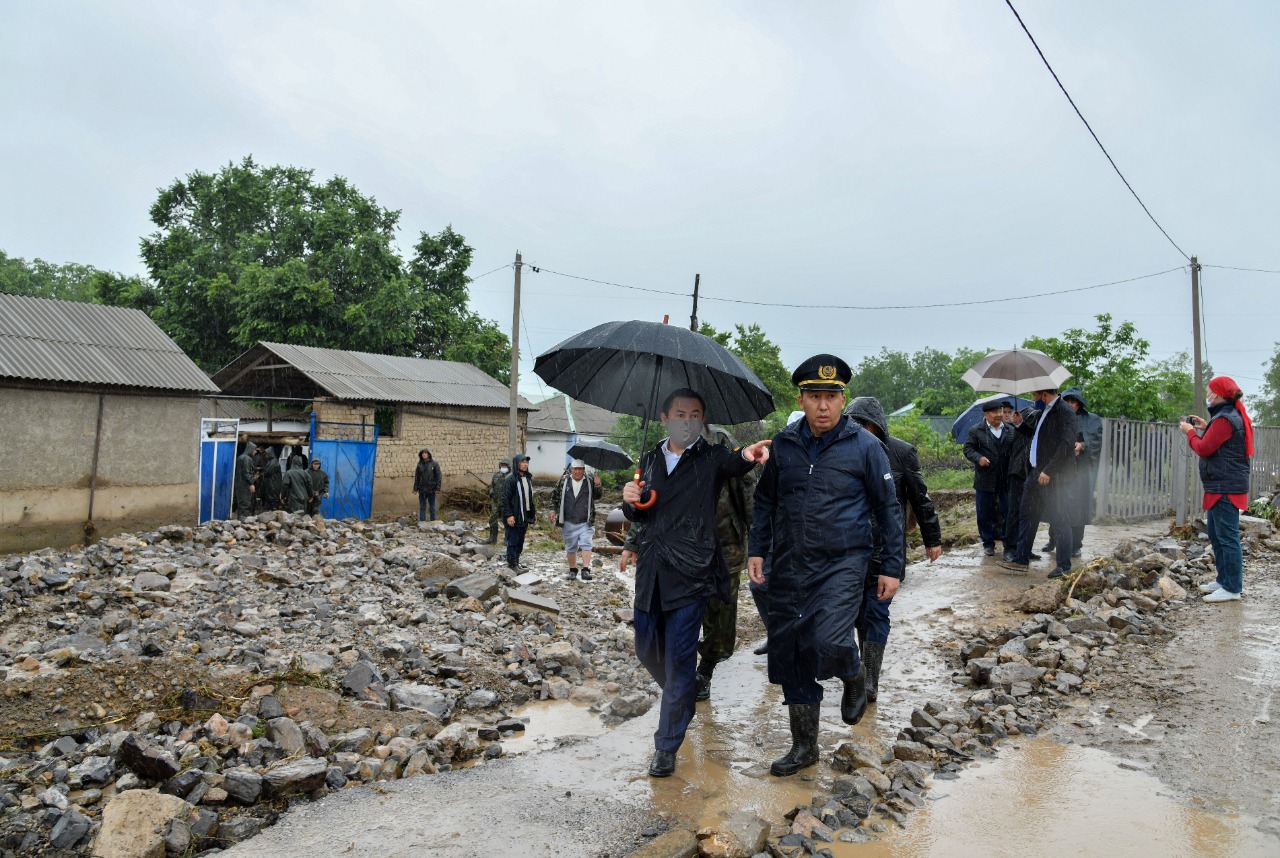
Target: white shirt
673 459
996 430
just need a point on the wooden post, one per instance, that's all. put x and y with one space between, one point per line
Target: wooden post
513 423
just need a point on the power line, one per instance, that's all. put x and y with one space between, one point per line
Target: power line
1057 80
705 297
1237 268
494 271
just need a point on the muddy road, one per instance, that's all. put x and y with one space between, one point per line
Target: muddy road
1174 753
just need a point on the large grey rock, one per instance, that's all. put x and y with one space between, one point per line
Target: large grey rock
69 830
480 586
630 705
559 652
242 784
286 733
295 776
146 760
1250 525
239 829
315 663
425 698
522 602
145 582
1005 675
364 681
851 756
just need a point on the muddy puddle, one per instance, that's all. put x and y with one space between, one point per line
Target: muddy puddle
1044 798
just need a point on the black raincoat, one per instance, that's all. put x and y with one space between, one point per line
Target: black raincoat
815 504
272 481
679 552
297 485
1085 479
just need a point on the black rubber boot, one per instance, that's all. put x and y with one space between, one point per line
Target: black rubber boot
853 705
493 534
763 649
804 740
702 680
872 656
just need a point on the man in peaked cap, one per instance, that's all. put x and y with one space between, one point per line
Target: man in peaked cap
825 482
987 446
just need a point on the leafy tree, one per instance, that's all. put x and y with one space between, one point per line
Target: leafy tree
948 393
930 378
68 282
1110 365
268 253
1266 407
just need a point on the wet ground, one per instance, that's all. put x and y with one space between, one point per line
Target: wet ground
1212 795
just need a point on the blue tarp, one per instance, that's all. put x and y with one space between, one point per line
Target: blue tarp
217 472
973 414
350 466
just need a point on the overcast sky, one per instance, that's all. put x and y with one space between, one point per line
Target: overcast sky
853 153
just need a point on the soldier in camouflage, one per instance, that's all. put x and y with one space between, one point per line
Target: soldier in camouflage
495 499
733 521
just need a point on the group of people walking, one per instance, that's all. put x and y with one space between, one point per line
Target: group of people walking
1037 464
825 553
262 483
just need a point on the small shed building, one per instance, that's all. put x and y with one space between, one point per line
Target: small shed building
455 409
99 419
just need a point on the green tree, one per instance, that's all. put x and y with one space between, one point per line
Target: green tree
268 253
1266 406
946 393
68 282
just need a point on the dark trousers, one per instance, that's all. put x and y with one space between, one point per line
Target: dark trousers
1223 524
515 543
992 509
1013 514
425 500
667 646
1040 502
873 617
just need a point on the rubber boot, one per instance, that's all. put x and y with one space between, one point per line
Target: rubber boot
872 656
853 705
702 680
804 740
761 598
493 534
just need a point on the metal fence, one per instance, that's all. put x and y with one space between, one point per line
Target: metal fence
1148 470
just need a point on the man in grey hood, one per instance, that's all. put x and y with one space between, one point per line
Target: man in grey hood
246 476
297 485
873 619
518 508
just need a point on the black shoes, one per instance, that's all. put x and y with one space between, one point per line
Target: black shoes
763 649
853 704
1047 547
585 574
1007 556
1058 573
804 740
702 680
1034 556
663 764
872 657
989 550
573 573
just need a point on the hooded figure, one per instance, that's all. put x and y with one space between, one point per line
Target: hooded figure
518 510
1085 479
272 481
496 484
319 481
246 475
909 486
426 482
297 485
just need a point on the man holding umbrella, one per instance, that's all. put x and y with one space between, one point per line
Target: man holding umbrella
827 480
680 560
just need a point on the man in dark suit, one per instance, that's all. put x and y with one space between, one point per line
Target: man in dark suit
987 446
1045 492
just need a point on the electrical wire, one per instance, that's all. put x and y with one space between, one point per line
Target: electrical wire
705 297
1237 268
494 271
1057 80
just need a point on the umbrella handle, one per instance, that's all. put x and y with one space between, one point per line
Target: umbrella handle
653 496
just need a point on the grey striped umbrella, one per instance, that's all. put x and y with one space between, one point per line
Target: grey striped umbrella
1016 371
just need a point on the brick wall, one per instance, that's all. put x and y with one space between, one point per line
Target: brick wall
461 439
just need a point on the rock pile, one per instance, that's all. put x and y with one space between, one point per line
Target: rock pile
196 682
1018 677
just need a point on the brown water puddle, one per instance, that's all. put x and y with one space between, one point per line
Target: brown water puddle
1044 798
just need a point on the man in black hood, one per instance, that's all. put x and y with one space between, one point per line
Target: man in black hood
426 482
246 476
1088 458
873 619
272 481
518 510
319 487
297 485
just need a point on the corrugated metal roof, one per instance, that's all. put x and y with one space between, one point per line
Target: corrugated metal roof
42 339
553 415
365 377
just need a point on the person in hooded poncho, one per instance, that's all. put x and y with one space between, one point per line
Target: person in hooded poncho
246 476
427 480
297 485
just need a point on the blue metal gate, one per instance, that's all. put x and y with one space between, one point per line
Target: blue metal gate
348 453
217 467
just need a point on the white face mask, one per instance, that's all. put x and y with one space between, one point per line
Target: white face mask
684 432
504 469
1208 403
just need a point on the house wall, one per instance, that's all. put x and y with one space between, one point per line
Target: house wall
548 451
147 463
460 438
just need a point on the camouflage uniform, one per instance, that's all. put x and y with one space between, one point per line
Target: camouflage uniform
733 521
495 503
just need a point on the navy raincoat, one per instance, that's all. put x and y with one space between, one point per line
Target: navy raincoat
814 505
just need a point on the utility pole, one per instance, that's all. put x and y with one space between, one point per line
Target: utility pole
1197 393
693 320
513 416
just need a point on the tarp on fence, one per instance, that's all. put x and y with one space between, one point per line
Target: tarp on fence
348 453
217 467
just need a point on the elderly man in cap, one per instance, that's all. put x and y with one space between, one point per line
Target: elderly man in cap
574 512
679 563
987 446
826 481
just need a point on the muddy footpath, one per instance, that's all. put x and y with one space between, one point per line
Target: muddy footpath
290 687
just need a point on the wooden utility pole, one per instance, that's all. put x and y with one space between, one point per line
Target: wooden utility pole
693 320
513 417
1197 393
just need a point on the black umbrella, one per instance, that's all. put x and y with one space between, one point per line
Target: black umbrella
630 367
601 455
